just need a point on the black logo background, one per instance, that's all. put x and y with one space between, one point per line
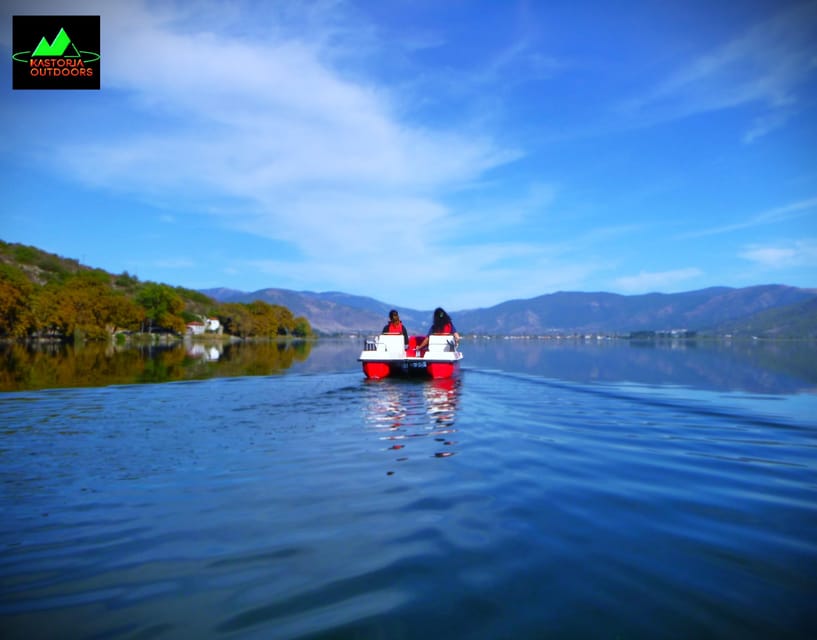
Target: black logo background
27 31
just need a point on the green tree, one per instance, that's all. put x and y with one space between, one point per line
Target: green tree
127 282
162 305
301 327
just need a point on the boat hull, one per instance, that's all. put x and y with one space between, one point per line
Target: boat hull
376 370
409 368
386 356
439 370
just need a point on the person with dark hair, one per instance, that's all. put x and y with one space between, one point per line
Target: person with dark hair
396 326
441 323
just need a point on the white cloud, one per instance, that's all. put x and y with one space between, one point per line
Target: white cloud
450 274
798 253
767 66
646 282
297 150
774 257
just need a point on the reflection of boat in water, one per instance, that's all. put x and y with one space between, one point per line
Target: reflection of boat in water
413 418
441 398
387 355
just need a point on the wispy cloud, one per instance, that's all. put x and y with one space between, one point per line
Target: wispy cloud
768 66
796 253
765 124
770 216
646 282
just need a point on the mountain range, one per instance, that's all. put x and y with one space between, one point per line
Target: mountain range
764 311
769 311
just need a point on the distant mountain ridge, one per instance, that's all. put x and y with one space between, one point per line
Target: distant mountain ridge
333 311
763 310
771 310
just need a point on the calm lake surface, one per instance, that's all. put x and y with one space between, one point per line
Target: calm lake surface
562 490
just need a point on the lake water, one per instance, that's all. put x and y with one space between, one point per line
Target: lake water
552 490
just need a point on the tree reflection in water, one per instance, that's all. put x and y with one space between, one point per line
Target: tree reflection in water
45 366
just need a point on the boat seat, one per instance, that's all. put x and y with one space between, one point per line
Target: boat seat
390 342
438 342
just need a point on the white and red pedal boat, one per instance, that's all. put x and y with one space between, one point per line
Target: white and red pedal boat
386 355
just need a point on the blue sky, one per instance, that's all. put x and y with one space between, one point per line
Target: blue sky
427 152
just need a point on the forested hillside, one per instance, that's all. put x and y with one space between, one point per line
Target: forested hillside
43 295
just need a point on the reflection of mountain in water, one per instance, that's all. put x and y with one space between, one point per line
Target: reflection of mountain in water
760 367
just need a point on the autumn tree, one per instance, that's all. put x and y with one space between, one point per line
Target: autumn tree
270 320
286 321
84 307
236 319
47 295
16 319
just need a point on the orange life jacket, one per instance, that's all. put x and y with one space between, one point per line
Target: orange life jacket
395 327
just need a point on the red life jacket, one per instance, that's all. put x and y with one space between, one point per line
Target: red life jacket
447 328
395 328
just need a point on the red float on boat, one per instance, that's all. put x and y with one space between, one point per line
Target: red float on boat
387 355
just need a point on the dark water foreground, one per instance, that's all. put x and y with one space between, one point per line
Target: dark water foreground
604 493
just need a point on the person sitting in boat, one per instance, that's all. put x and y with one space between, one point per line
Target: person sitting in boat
441 323
395 326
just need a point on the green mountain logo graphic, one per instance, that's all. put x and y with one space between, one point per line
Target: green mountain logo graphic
56 48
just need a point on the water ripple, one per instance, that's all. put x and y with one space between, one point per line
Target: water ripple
323 505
